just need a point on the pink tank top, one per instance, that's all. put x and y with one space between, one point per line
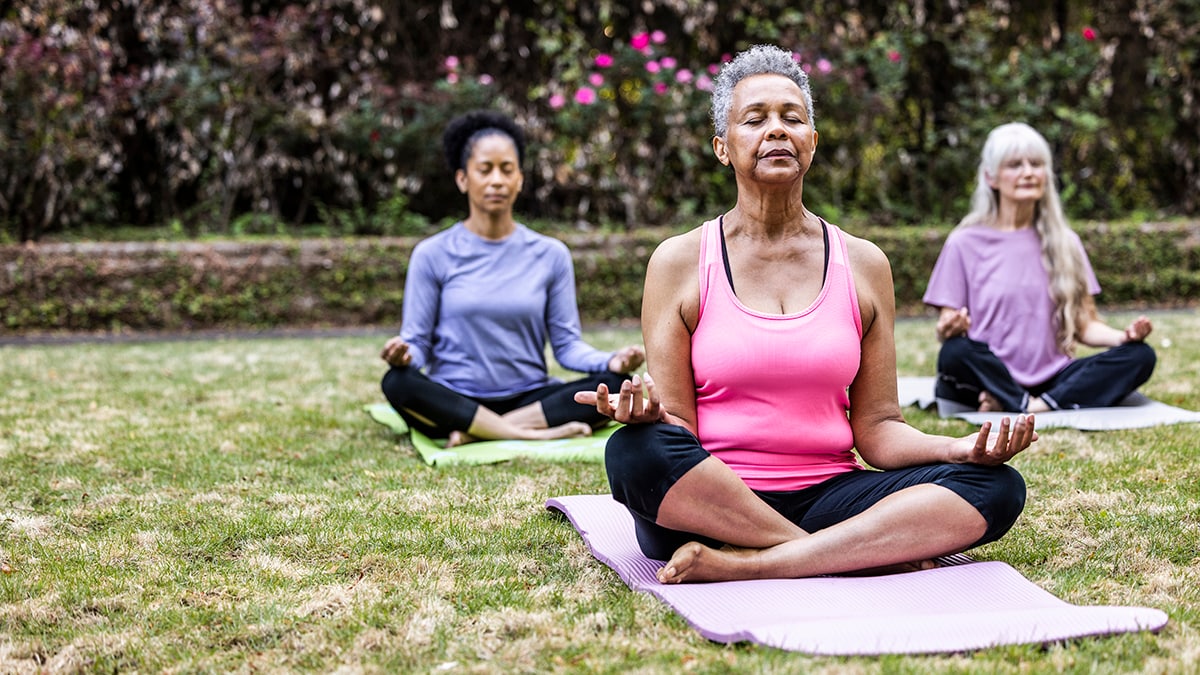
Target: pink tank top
771 389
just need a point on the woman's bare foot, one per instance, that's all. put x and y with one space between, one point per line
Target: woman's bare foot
459 438
568 430
696 562
988 403
1036 405
898 568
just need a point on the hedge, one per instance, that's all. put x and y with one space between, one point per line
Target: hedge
122 287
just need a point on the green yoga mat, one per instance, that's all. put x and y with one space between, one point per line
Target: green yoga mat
434 452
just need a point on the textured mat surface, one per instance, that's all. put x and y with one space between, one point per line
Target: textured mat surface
434 453
1135 411
950 609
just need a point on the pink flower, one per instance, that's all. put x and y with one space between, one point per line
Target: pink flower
595 79
640 41
894 56
660 88
451 63
714 68
585 96
658 37
726 57
824 66
603 60
485 79
668 62
452 78
683 76
1089 33
796 57
704 83
557 101
653 67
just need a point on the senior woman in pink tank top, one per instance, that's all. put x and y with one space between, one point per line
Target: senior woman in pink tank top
769 333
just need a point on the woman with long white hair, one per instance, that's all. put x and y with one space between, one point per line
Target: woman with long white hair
1014 290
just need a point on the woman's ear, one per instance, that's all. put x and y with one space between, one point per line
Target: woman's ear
990 179
720 150
460 179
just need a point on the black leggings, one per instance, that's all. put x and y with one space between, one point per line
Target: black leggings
644 460
418 398
967 367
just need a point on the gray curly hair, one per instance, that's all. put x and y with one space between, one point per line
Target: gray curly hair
757 60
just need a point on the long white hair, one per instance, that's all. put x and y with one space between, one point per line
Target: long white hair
1060 257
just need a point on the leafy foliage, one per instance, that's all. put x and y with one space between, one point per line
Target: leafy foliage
274 114
360 282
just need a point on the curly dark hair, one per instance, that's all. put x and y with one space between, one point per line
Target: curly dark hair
463 131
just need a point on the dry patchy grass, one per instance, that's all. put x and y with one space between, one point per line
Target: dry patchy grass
225 505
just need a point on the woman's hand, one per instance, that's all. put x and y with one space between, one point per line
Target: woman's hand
1138 330
1012 439
952 323
629 406
1096 333
627 359
396 353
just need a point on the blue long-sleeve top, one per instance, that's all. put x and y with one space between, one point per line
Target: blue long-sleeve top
478 313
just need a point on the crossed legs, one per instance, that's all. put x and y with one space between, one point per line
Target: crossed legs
439 412
913 525
697 514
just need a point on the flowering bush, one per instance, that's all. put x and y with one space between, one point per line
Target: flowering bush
223 117
637 97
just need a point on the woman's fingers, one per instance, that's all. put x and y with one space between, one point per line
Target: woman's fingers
1001 446
981 439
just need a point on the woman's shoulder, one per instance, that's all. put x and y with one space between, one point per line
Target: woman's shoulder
679 249
863 251
436 244
533 238
974 239
440 237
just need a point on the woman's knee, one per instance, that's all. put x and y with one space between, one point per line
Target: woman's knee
396 384
612 380
629 450
1005 501
643 461
1144 356
953 353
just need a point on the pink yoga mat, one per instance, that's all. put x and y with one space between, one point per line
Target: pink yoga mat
949 609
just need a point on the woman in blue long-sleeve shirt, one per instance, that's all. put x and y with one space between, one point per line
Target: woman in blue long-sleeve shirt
481 301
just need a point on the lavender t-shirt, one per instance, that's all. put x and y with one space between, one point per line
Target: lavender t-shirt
999 277
478 313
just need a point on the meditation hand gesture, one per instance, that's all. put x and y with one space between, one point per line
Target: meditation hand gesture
629 406
1007 444
627 359
1138 330
396 353
952 323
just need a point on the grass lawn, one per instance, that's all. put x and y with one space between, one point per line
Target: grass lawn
226 505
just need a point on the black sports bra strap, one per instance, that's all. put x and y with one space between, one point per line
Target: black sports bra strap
729 270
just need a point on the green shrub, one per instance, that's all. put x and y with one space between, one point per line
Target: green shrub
360 282
234 118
